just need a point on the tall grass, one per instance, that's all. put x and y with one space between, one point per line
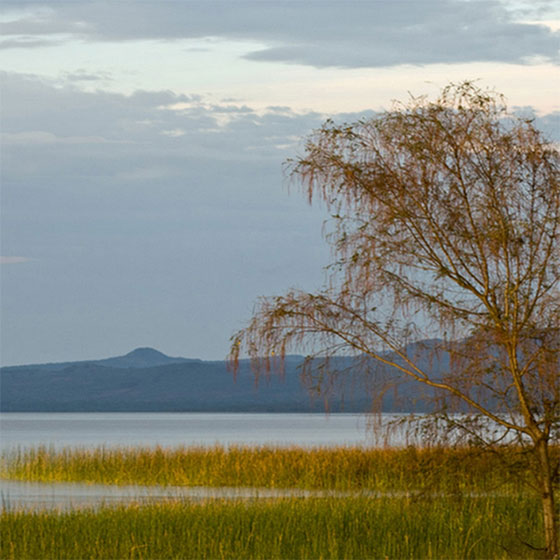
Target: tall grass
412 469
287 528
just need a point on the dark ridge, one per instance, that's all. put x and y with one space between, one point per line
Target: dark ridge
146 380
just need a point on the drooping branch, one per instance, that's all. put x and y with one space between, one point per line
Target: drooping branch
445 218
298 318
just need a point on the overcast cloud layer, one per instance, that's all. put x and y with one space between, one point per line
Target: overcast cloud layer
127 222
343 34
157 218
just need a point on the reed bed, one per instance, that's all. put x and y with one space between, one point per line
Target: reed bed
287 528
441 470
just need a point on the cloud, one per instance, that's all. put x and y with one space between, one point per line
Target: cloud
13 260
38 137
550 125
142 232
63 125
145 230
59 135
348 34
26 43
176 132
84 76
533 9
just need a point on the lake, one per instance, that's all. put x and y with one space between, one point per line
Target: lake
183 429
58 430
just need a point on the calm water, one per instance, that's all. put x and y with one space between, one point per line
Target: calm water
178 429
168 430
63 495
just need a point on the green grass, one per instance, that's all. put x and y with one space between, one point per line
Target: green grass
434 470
284 528
464 504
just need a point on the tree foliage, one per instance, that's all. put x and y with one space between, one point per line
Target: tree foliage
445 225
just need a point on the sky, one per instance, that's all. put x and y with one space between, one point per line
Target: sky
144 197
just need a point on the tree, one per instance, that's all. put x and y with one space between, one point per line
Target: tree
445 224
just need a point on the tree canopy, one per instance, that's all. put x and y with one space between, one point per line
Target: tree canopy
445 225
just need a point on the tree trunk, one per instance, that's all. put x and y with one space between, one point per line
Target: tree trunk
550 515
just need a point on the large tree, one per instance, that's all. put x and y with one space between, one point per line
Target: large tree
445 225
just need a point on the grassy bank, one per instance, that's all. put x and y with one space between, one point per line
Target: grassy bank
465 504
442 470
287 528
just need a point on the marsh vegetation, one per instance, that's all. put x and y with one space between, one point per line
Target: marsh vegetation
282 528
410 469
429 503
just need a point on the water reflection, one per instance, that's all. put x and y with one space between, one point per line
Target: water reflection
16 495
90 430
180 429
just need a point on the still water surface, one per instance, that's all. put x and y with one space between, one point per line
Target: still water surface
58 430
37 496
181 429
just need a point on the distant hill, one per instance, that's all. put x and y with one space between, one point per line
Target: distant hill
138 358
146 380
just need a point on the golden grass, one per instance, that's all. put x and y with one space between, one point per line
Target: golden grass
343 468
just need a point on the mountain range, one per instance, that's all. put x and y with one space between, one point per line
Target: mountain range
146 380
